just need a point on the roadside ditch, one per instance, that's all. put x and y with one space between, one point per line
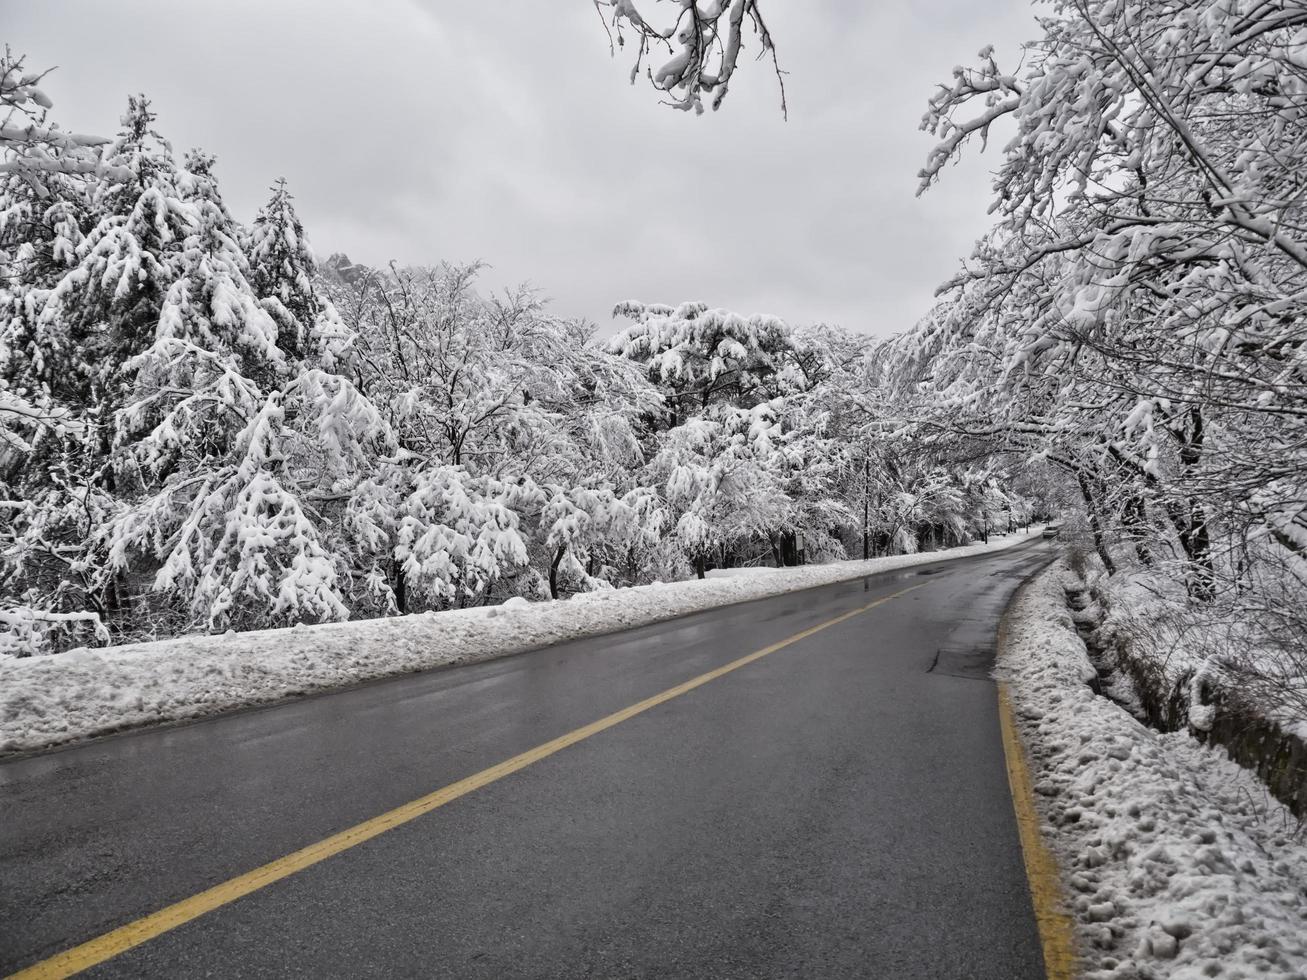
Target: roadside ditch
1208 711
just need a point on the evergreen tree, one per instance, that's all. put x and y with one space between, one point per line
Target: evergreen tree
108 305
284 276
221 440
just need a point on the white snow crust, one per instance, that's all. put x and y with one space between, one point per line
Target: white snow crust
48 700
1176 861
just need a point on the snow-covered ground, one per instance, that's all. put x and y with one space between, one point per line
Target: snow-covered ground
1176 862
1146 612
48 700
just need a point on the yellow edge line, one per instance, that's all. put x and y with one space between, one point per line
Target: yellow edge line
142 930
1055 932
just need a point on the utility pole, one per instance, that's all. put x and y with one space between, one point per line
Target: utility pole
866 510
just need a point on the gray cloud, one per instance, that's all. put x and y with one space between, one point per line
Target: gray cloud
434 130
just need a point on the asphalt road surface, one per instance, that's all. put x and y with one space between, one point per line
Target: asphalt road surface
836 808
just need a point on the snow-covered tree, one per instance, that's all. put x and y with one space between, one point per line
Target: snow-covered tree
720 475
750 456
1137 314
517 407
436 536
234 464
38 241
283 273
703 41
57 369
703 356
589 533
105 308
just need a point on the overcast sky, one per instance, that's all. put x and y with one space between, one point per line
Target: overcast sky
435 130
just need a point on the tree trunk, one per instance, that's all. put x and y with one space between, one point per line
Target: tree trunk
866 509
1136 520
1095 525
1197 543
1196 537
399 586
790 549
553 572
699 568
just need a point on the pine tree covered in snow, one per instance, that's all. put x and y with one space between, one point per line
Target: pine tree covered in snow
283 275
67 330
223 439
105 308
703 356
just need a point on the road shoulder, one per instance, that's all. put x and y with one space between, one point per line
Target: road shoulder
1172 860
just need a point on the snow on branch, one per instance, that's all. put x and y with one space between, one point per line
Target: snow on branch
29 146
25 631
703 43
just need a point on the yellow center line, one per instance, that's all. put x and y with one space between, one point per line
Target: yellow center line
142 930
1055 933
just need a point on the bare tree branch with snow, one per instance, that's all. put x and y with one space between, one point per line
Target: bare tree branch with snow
703 43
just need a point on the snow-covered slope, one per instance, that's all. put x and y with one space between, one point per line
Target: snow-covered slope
48 700
1176 861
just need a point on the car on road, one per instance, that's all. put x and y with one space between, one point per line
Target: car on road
1053 530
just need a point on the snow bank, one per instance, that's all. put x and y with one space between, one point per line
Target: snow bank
737 572
1176 861
48 700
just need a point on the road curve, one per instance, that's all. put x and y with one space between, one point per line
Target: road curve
836 808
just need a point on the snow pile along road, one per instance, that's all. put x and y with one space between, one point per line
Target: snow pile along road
1176 862
48 700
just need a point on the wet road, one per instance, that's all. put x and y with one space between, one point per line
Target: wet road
836 808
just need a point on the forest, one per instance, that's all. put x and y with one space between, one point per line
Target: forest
205 428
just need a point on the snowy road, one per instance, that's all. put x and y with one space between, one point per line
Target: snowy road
835 807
